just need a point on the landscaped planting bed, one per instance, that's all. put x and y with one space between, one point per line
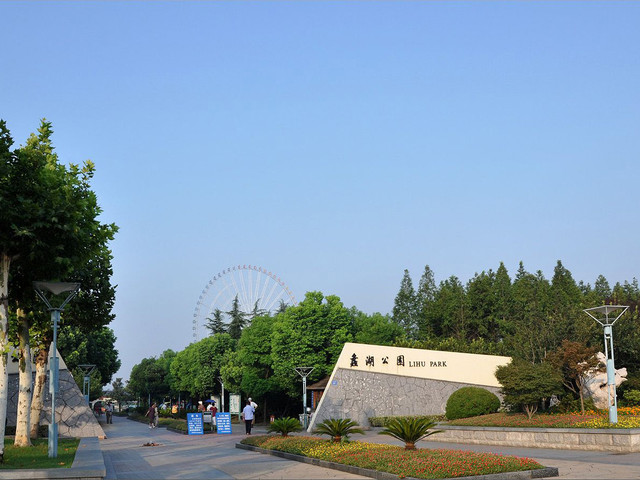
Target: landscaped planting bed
628 417
420 463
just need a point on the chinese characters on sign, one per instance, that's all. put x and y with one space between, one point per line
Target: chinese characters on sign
400 362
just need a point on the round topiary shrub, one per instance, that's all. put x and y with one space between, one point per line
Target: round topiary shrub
471 402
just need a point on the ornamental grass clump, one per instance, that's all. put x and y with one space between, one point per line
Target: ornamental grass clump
284 426
338 428
410 430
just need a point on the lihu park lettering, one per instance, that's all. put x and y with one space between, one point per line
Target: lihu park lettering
400 361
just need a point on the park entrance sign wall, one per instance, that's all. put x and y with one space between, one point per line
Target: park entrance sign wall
376 380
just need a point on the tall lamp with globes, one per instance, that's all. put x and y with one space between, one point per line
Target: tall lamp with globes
55 289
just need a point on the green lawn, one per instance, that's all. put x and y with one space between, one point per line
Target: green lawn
420 463
37 456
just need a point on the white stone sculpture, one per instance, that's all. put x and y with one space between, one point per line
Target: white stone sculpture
596 382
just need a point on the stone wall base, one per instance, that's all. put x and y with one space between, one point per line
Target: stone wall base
360 395
610 440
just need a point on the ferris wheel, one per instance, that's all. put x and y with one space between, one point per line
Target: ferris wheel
256 288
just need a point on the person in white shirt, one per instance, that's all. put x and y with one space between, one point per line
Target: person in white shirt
255 407
247 416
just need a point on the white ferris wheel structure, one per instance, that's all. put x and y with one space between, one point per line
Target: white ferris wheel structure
256 288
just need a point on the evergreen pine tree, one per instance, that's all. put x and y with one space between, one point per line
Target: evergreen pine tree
216 324
425 297
238 319
503 302
404 306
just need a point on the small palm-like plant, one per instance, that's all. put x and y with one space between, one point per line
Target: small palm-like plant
410 430
337 428
284 426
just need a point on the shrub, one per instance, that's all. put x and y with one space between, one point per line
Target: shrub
337 428
471 402
410 430
632 398
284 426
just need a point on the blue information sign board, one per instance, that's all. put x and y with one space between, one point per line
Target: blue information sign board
223 422
194 424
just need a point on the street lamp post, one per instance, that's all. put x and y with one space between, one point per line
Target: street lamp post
55 288
304 373
607 324
86 385
222 394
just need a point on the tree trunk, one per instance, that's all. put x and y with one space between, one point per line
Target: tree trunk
26 380
409 446
5 261
38 390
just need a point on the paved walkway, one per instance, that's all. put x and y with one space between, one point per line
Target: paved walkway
194 456
215 457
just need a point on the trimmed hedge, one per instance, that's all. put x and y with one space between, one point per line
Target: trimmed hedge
471 402
384 421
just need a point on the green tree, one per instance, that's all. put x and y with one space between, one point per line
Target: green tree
503 302
375 329
49 230
216 324
148 379
97 348
449 310
119 393
195 370
425 297
238 319
405 307
530 338
310 334
250 368
575 360
525 385
481 321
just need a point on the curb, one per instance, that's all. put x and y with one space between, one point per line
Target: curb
365 472
88 464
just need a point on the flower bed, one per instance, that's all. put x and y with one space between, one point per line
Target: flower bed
627 418
420 463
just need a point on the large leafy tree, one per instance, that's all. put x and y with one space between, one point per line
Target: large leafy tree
525 384
250 368
575 360
48 229
310 334
376 329
195 370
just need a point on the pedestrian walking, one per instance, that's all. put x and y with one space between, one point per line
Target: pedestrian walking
109 412
247 416
254 405
151 415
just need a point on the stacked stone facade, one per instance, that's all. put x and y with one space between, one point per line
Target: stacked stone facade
359 395
73 413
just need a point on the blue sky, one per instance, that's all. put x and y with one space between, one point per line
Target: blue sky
336 143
